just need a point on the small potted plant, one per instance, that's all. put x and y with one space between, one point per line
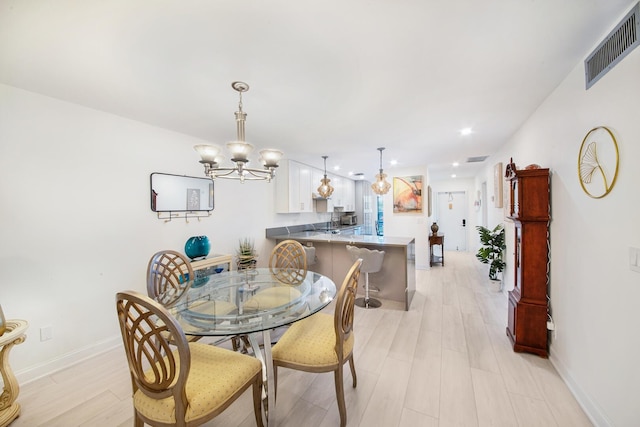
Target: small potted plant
492 251
246 254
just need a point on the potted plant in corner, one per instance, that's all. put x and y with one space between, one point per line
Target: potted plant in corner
492 252
246 254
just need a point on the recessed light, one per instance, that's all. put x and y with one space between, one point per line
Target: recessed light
336 168
393 162
466 131
455 164
453 175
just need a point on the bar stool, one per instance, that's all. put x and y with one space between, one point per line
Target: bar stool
311 254
371 263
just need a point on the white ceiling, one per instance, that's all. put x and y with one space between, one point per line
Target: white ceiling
333 77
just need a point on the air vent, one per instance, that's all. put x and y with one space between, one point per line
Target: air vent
622 40
477 159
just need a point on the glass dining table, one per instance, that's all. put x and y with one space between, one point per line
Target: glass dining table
252 303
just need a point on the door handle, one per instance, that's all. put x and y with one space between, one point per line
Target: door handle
464 222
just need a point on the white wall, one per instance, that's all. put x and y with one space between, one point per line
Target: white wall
76 226
409 224
593 292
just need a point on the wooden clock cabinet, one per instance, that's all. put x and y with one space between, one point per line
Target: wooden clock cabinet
528 303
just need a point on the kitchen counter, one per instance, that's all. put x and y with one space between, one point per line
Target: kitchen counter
321 236
396 278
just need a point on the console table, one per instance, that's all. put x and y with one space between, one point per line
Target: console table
213 261
14 334
438 239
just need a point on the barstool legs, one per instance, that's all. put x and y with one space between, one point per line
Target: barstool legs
367 302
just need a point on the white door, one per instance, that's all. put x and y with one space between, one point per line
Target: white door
451 217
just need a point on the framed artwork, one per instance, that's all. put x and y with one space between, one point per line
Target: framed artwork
407 194
497 185
193 199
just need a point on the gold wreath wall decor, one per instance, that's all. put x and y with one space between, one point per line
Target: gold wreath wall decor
598 162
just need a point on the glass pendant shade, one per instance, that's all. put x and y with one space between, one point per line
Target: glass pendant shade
381 186
325 190
270 157
240 150
208 153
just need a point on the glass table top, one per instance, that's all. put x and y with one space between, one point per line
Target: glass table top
246 301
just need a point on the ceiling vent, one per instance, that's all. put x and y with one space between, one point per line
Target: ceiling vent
622 40
477 159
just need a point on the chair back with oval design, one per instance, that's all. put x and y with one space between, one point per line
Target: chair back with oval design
167 274
148 333
343 320
288 262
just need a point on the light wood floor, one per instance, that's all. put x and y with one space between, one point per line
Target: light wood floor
446 362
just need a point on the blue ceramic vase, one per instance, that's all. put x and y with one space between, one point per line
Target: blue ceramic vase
197 247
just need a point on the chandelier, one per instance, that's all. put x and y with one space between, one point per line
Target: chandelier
381 186
325 190
240 151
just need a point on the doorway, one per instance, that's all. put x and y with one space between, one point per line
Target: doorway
451 211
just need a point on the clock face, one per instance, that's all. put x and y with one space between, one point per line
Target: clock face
598 162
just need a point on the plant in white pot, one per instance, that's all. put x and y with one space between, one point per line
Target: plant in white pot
492 251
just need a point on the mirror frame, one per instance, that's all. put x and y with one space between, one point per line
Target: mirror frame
204 184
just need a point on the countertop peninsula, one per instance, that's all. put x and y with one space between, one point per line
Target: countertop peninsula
320 236
396 279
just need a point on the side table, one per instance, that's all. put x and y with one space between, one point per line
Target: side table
438 239
213 261
15 334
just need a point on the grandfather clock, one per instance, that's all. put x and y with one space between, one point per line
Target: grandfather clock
527 303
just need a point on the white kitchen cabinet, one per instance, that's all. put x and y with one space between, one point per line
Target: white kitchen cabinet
293 188
349 194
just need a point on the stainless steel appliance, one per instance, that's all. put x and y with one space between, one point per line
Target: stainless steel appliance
349 219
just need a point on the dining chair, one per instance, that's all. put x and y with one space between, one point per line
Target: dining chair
288 262
323 342
176 382
167 273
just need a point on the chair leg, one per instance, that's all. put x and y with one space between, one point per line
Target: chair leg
137 421
353 371
257 400
342 408
275 383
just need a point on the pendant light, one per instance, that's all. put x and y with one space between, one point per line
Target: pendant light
325 190
381 186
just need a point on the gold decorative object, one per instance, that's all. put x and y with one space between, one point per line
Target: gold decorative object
14 334
598 162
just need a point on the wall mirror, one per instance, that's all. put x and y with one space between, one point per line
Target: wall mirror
177 193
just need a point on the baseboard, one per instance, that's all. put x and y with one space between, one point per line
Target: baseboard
591 409
49 367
